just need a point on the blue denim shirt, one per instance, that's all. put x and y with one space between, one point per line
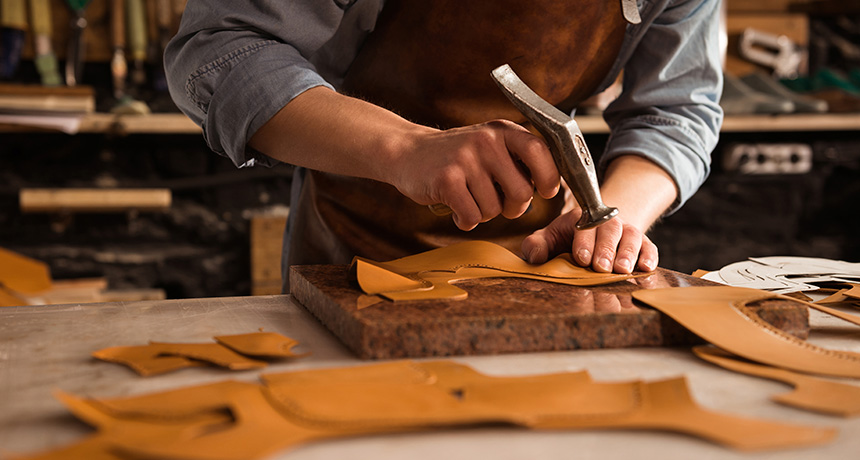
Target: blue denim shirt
233 65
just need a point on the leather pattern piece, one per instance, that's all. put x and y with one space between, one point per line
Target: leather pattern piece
260 344
23 275
719 315
810 393
428 275
231 352
238 420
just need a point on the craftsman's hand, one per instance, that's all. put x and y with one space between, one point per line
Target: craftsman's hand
478 171
614 246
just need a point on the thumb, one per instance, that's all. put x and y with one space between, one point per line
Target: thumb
552 240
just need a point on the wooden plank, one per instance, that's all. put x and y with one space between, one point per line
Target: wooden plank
267 236
94 200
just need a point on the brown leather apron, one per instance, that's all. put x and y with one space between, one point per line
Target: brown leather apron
430 62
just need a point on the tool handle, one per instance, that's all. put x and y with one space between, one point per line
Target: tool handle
40 17
136 14
117 23
13 14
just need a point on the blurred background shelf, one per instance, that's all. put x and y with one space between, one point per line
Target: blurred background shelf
177 123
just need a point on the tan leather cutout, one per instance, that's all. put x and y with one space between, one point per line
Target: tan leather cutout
146 360
158 358
428 275
718 314
260 344
22 274
232 420
854 291
810 393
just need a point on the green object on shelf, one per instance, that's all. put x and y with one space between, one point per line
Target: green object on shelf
825 79
78 5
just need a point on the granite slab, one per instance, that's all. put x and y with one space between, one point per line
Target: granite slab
507 316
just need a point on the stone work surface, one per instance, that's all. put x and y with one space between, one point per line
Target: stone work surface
507 316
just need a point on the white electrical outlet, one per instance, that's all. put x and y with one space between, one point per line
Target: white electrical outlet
768 158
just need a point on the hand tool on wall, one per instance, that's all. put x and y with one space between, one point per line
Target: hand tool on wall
13 17
75 52
136 16
565 142
164 19
119 64
45 60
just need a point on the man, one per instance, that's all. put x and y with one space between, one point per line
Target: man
270 81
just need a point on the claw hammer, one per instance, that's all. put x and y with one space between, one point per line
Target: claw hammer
566 143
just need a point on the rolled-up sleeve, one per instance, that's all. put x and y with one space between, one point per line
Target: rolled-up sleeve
669 109
233 65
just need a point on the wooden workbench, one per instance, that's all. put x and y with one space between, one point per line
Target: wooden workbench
43 348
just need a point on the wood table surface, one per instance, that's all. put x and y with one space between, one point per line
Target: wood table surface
45 348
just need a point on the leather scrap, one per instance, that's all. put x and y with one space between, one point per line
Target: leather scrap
232 352
239 420
810 393
261 344
719 315
23 275
428 275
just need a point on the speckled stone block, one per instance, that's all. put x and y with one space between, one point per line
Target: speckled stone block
507 316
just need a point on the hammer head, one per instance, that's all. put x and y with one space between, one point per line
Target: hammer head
565 142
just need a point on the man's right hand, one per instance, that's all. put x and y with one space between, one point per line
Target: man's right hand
479 171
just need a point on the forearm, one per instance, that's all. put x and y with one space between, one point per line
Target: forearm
464 168
640 189
327 131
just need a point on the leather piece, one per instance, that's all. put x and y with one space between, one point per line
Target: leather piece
231 352
719 315
158 358
238 420
22 274
810 393
260 344
428 275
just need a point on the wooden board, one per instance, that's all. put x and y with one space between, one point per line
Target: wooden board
506 316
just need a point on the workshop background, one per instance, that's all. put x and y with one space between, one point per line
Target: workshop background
130 204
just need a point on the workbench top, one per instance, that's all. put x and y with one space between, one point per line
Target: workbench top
44 348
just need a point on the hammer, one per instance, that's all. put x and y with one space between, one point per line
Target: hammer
565 142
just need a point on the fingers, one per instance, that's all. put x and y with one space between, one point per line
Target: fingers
552 240
492 169
536 157
614 246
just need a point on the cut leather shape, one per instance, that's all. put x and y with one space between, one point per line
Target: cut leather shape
810 393
22 274
146 360
253 429
718 314
158 358
428 275
260 344
238 420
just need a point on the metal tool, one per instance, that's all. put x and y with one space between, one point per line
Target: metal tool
565 142
75 51
45 59
776 51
